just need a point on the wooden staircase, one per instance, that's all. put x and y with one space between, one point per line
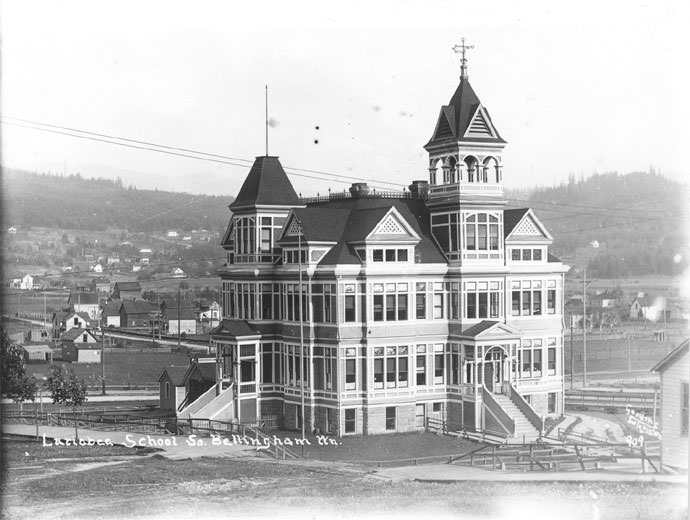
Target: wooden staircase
524 430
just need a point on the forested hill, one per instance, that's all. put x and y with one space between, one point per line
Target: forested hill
73 202
638 220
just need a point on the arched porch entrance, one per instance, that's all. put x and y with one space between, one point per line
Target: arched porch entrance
495 369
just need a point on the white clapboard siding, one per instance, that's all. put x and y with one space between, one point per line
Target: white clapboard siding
675 445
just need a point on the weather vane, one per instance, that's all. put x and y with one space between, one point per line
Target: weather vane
460 49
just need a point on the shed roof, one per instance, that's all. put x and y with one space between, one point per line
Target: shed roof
672 357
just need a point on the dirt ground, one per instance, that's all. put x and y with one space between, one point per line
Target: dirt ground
113 485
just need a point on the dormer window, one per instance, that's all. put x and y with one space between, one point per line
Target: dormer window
390 255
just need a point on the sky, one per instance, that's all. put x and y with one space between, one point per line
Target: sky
354 88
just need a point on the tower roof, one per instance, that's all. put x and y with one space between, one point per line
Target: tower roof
266 184
464 118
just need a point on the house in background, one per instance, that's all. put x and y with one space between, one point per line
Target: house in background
137 314
63 321
674 372
101 286
86 302
25 283
12 230
126 291
110 315
185 318
178 273
209 313
80 346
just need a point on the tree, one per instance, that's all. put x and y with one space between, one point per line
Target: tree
65 388
15 383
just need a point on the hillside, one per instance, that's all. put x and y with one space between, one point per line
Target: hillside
638 220
73 202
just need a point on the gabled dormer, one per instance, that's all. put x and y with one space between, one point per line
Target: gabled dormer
465 151
526 238
387 237
259 212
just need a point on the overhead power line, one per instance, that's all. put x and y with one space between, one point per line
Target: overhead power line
171 150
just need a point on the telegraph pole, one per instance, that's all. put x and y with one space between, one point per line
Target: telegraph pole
178 316
584 328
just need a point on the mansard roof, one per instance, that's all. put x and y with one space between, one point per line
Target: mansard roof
456 117
266 184
352 220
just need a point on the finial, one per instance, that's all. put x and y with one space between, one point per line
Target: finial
460 49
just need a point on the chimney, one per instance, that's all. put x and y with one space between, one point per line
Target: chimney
359 190
419 189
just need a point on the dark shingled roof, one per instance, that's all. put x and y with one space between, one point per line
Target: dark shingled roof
352 220
112 308
672 356
128 286
137 307
176 374
511 218
82 298
73 334
266 184
234 328
456 116
478 328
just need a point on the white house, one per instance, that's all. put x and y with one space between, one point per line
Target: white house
674 371
27 283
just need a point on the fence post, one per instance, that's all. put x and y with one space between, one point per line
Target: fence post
643 455
493 457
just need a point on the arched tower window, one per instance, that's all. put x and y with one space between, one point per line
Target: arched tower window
435 171
491 170
452 170
472 170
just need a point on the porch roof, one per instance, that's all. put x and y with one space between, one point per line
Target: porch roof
490 329
232 328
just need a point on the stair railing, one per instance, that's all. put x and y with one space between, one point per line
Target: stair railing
533 417
495 408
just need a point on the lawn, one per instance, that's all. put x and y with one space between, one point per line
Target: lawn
154 487
375 448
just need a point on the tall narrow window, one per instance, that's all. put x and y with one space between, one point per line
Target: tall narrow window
421 370
551 301
350 420
390 372
378 307
420 300
390 418
438 368
350 308
684 401
378 372
350 374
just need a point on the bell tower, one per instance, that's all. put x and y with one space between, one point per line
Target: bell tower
465 150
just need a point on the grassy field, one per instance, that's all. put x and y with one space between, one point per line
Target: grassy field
130 368
154 487
610 353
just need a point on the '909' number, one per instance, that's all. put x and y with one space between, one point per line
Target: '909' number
635 442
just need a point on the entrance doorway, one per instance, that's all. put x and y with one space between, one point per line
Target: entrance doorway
493 370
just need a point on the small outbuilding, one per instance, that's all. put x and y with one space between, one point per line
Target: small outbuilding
37 353
674 372
172 387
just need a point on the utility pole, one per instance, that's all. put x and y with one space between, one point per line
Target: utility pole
102 362
584 328
572 354
178 316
